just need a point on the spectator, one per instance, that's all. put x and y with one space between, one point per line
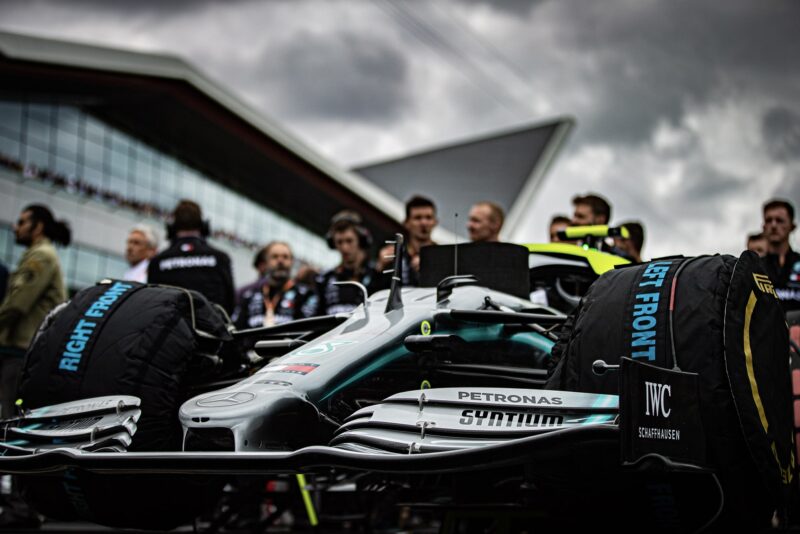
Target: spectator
557 224
352 241
485 221
142 244
757 243
631 247
278 299
307 275
190 262
419 224
590 209
34 289
260 265
781 262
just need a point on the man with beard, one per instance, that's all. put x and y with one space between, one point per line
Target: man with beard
278 299
419 224
781 262
34 289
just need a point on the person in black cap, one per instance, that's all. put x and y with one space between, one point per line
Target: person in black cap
190 262
353 241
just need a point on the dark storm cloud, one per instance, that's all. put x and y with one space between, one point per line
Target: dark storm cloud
781 130
338 76
704 182
513 7
790 188
154 7
649 61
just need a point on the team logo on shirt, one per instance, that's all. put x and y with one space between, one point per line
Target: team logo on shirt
187 247
795 276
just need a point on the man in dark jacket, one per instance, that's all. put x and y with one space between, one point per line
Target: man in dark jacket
419 224
781 262
277 299
352 240
190 262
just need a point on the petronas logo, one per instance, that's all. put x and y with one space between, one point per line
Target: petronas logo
765 284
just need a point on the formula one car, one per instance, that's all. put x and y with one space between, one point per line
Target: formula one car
453 402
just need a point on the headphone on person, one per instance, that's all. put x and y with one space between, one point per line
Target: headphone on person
354 219
205 229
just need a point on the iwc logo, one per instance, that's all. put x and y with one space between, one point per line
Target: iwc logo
655 405
656 399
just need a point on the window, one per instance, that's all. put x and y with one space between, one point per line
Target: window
95 130
68 120
67 144
9 147
38 133
37 156
10 119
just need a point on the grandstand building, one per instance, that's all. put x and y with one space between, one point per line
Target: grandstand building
110 138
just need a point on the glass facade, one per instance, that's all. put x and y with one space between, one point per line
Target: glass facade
74 151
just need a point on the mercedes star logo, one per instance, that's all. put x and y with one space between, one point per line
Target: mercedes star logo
226 399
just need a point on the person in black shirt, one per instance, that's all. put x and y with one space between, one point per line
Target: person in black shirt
278 299
631 247
353 241
757 243
781 262
190 262
419 224
260 265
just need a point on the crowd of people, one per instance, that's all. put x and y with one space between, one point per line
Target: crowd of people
275 296
279 294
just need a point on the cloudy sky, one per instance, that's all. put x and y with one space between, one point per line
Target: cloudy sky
688 112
